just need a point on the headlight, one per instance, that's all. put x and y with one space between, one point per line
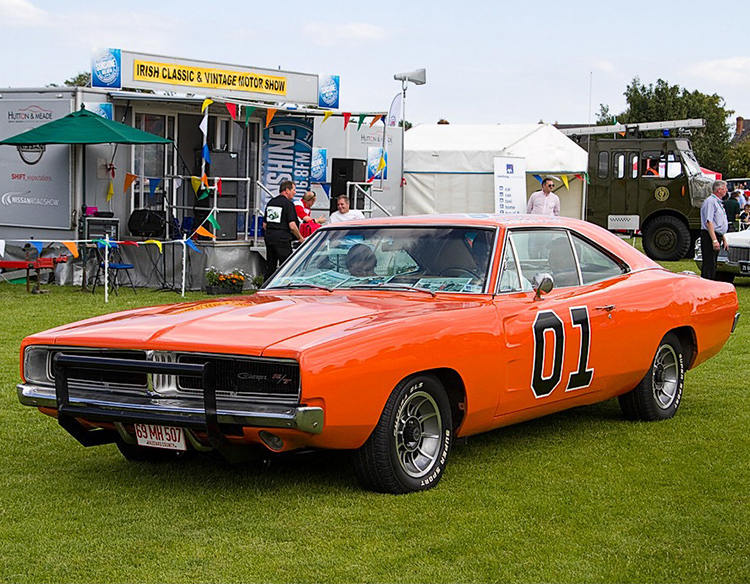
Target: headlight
35 368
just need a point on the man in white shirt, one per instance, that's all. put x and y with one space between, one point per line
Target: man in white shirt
544 202
344 213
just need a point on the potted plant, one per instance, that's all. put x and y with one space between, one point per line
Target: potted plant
218 282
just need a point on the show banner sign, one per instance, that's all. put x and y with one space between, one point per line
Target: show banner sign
510 185
287 155
115 69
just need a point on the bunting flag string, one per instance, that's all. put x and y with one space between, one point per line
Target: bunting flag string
375 120
269 115
361 119
327 115
110 190
204 232
248 112
565 181
156 242
232 108
196 183
347 116
206 102
129 178
152 184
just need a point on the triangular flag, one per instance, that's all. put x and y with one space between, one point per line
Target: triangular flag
269 115
206 154
621 134
206 102
129 178
135 243
196 183
248 112
537 177
218 186
376 119
381 164
110 190
191 244
152 184
361 119
72 248
579 177
204 125
156 242
232 107
213 221
204 232
327 189
202 193
204 180
565 181
326 116
177 182
2 247
346 115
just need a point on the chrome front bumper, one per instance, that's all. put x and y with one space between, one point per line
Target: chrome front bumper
97 406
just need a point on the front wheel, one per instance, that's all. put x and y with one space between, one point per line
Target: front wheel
408 449
666 239
659 393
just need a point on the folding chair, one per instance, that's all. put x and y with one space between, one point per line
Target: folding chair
115 266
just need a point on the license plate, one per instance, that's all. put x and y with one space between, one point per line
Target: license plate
744 267
160 436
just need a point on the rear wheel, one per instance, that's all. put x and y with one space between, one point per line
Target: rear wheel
659 393
409 448
666 238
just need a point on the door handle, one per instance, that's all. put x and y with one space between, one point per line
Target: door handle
607 308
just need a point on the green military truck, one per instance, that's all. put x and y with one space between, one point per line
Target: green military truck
654 185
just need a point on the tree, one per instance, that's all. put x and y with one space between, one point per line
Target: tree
739 159
663 102
83 79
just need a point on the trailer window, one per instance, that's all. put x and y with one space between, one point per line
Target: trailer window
603 166
619 164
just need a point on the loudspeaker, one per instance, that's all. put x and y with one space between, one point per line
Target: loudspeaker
228 222
148 223
345 170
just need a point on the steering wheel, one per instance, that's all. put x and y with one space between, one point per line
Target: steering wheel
461 269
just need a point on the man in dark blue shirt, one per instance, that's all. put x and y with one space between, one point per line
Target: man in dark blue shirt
280 224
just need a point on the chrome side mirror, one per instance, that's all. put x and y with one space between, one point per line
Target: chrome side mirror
543 283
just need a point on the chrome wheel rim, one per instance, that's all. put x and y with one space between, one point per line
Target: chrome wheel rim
665 377
417 432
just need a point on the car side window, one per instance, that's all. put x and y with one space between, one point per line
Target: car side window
510 277
595 264
547 251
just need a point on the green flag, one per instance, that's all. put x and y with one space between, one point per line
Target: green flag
212 220
248 112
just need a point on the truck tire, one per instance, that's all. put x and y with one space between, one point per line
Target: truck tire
666 239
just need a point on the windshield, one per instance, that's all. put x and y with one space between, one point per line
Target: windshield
688 158
436 259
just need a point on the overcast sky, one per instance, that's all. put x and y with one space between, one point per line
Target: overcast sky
487 63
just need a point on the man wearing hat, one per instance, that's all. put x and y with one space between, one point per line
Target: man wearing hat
544 202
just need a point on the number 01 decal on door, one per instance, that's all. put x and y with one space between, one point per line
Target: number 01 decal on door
547 320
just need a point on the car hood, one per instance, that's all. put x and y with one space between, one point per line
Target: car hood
246 325
738 238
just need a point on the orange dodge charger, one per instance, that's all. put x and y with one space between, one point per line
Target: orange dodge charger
390 338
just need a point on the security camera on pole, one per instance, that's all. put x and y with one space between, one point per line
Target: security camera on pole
418 77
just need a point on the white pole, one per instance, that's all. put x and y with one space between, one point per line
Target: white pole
106 267
184 262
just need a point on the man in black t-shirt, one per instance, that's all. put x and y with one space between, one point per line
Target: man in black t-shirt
280 224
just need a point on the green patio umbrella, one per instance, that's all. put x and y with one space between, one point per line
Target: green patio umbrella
84 127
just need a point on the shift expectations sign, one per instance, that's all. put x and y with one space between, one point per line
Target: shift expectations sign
149 71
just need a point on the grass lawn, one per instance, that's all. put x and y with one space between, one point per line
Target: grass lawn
581 496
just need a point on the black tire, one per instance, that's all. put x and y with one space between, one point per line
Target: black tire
408 449
659 393
724 277
135 453
666 239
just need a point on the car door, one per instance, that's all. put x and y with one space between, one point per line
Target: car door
559 345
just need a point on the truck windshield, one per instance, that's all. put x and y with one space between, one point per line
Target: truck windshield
692 168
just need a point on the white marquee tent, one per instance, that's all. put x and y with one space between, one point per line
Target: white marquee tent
450 168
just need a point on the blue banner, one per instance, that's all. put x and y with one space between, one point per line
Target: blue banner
287 155
328 91
319 168
106 69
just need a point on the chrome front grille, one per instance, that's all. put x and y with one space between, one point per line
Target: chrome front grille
737 254
98 379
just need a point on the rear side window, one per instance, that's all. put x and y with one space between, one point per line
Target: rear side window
595 264
603 165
